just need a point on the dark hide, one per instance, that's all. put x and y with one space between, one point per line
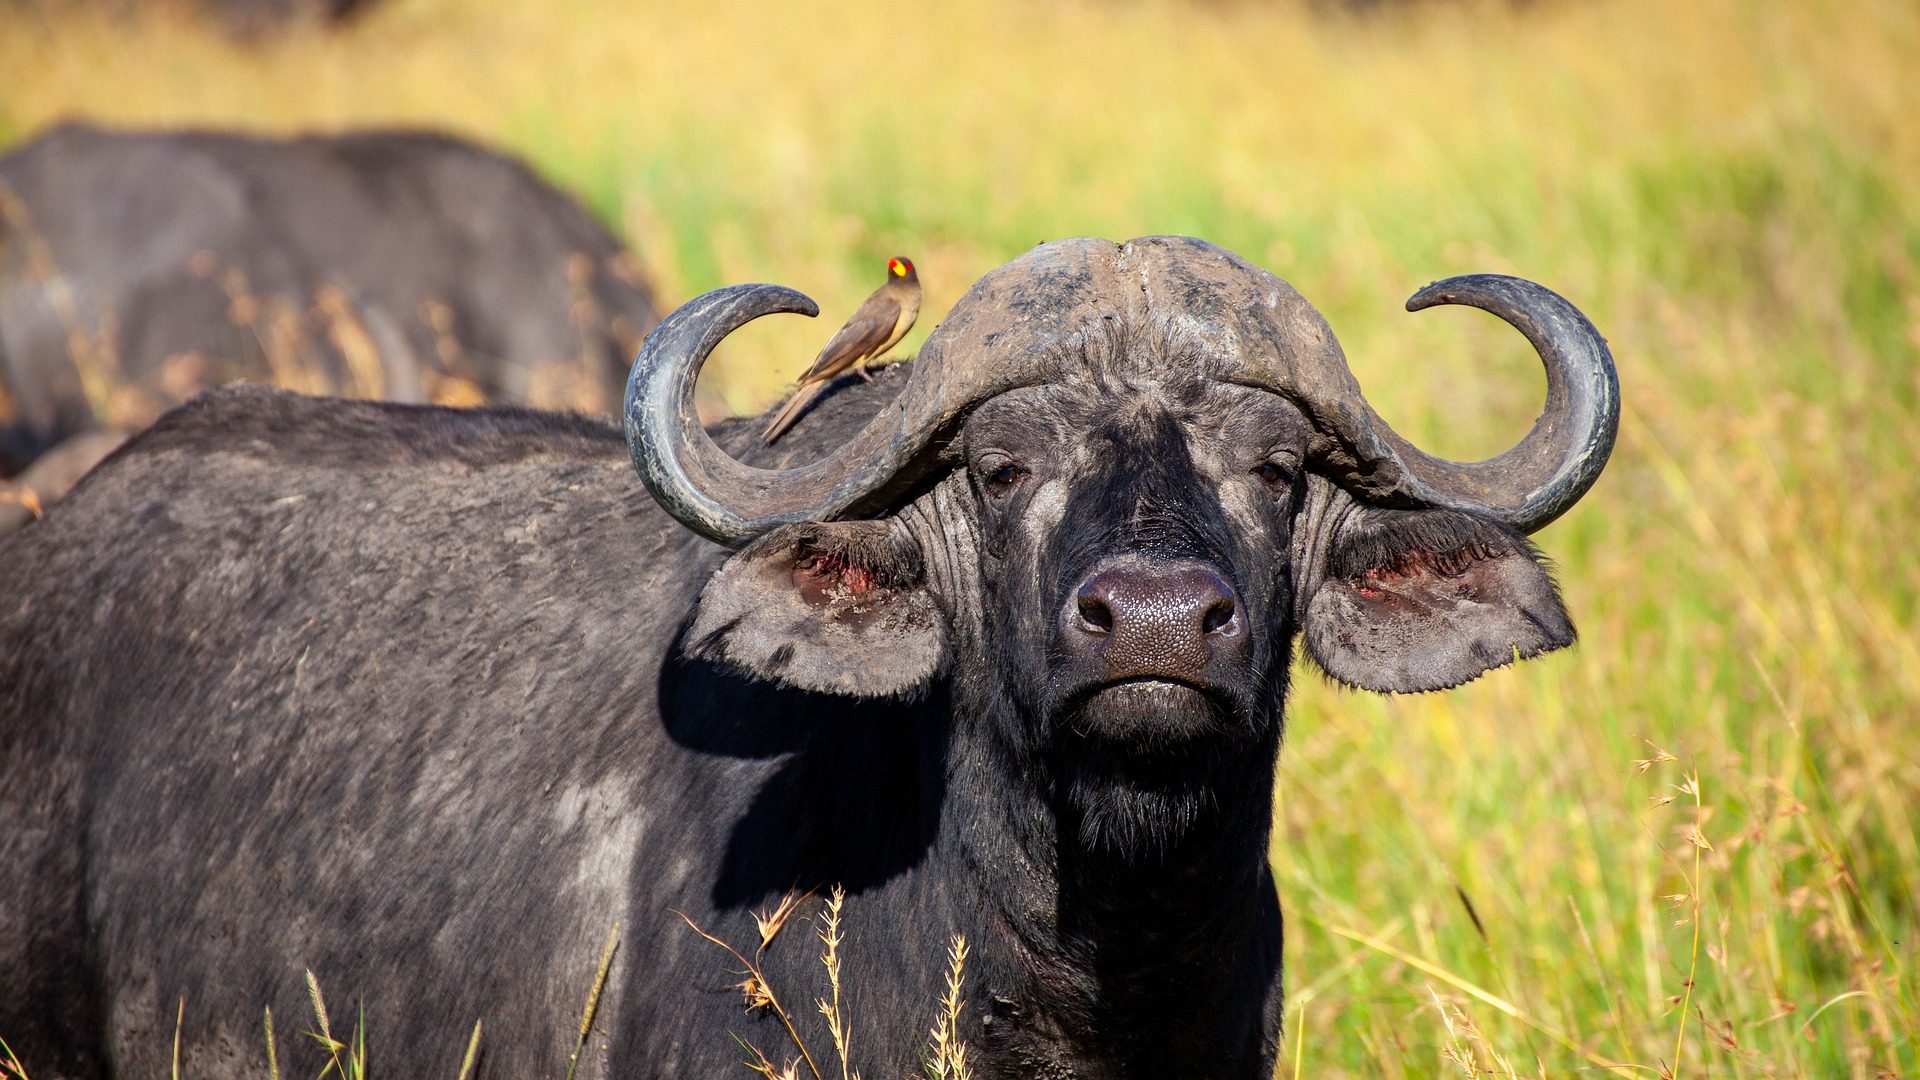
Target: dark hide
401 265
243 19
255 18
427 700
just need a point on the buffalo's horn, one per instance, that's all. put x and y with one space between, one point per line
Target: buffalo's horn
724 499
703 486
1547 471
1011 329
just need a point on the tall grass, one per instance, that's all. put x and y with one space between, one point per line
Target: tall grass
1482 881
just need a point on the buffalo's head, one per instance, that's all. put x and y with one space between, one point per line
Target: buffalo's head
1119 481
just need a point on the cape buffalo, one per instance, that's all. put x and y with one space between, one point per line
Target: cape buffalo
137 268
428 700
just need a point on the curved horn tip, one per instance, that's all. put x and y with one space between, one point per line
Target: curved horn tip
1583 394
664 435
770 299
759 297
1450 290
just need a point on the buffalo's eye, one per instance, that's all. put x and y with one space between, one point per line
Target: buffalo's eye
1001 477
1274 474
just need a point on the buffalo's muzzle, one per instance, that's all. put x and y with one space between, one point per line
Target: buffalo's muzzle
1139 618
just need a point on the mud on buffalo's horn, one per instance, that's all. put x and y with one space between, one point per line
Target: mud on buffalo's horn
1559 459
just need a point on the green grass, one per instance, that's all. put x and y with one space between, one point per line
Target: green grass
1730 189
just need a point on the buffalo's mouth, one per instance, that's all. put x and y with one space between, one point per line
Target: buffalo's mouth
1143 713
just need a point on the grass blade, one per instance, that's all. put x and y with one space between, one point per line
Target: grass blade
593 999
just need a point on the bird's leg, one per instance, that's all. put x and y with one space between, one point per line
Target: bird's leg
865 375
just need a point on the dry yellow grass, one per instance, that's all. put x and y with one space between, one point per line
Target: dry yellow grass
946 1048
1731 190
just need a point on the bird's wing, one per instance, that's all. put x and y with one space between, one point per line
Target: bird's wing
866 333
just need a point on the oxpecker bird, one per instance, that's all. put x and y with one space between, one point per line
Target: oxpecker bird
879 324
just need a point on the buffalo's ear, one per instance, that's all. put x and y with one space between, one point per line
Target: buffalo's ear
1411 600
839 608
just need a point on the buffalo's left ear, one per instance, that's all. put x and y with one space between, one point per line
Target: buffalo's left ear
1411 600
837 607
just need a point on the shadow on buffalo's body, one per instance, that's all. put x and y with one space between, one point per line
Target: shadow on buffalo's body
137 268
427 700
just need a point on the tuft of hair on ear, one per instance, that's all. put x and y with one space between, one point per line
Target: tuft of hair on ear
1401 543
859 560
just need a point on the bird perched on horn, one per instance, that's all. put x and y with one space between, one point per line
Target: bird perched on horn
876 326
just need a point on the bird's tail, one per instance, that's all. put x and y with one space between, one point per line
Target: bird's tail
791 411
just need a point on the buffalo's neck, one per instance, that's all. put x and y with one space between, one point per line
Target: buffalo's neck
1100 963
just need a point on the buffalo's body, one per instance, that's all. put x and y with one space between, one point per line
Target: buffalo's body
428 701
448 826
138 268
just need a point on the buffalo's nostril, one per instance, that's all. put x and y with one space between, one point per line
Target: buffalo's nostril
1095 613
1219 617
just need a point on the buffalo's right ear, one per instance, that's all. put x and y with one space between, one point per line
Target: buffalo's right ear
835 607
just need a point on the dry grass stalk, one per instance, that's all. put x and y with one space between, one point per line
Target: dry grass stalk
95 356
770 923
1690 786
763 1065
273 1050
759 993
472 1055
1466 1048
11 1069
833 1010
319 1009
325 1036
593 1000
949 1049
1466 986
179 1018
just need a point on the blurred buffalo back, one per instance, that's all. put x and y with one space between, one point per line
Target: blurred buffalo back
137 268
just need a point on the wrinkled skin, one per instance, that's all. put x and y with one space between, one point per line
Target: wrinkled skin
425 700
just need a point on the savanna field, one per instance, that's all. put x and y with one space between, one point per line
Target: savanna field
1688 847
